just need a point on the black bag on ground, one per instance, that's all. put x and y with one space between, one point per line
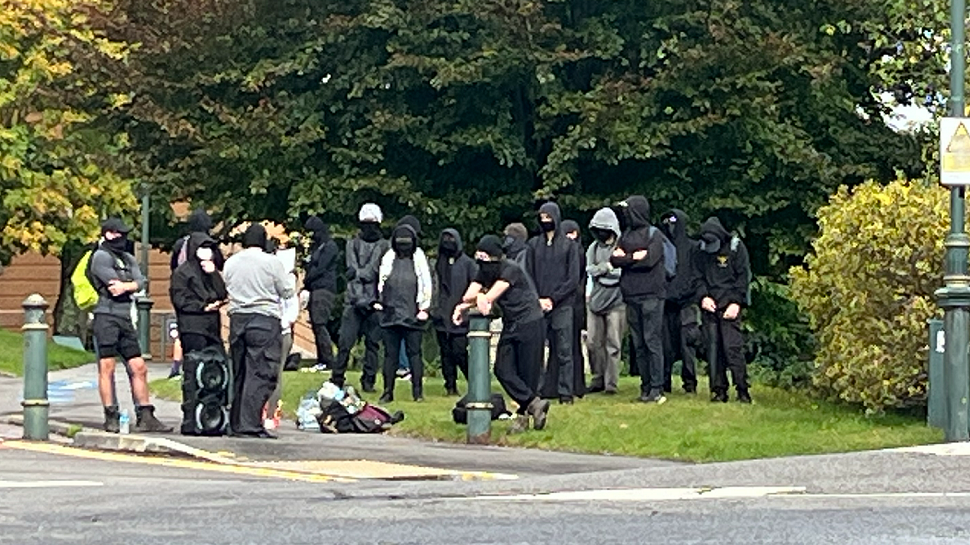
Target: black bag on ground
335 418
460 412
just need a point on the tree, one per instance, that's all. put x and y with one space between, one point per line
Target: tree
58 166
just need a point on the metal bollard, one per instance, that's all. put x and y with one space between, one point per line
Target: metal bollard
35 403
479 381
144 305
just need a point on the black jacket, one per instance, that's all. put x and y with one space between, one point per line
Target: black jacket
192 289
452 278
682 289
321 270
555 265
645 278
723 275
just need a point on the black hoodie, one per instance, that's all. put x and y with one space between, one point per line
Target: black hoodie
724 274
645 278
453 274
192 289
321 269
555 264
199 222
682 289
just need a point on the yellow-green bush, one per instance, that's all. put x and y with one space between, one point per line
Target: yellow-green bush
868 291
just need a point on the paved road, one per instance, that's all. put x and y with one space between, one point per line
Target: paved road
51 499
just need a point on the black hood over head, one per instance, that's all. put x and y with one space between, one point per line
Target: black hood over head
255 237
714 237
554 212
637 212
413 223
453 233
199 221
199 240
318 229
400 234
569 226
674 225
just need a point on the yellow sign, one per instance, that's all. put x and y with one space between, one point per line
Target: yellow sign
955 151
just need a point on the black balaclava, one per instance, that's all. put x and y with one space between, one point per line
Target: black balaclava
404 241
450 243
489 270
118 245
714 237
318 230
449 248
602 235
370 231
255 237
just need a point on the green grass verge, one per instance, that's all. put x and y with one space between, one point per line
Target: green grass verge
690 428
58 357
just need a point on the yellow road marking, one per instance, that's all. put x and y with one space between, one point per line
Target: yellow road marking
172 462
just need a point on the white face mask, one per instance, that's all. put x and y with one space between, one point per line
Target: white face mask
204 254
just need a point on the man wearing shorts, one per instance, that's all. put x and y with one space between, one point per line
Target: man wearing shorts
115 275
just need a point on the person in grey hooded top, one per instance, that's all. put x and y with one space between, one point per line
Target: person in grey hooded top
605 312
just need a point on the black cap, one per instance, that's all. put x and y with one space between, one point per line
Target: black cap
491 245
115 225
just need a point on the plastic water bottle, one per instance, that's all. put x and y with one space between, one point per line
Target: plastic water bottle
124 422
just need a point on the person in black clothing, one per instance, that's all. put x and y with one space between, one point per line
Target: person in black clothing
321 282
571 229
198 292
681 331
364 253
516 245
454 272
555 269
725 275
519 355
405 289
644 287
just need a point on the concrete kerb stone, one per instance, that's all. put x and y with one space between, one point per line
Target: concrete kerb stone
64 429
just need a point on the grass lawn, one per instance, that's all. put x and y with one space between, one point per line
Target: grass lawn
779 423
58 357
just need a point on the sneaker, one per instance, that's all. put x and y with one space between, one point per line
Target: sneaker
386 398
566 400
405 375
538 409
655 396
520 424
318 368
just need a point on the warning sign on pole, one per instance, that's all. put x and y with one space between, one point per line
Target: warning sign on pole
955 151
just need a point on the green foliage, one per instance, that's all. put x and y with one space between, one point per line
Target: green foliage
58 357
868 289
778 337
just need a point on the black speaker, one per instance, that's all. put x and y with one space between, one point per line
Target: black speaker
206 388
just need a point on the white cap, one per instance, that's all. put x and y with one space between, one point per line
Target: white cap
370 212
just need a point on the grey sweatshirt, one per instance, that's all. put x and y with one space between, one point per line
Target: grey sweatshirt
107 266
257 283
603 284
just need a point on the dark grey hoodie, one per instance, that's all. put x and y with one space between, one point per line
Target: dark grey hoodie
453 274
555 264
683 287
725 272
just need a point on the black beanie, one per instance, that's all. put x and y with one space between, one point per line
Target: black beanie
491 245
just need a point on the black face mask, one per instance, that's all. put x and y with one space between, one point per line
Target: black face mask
403 246
602 235
449 247
489 271
118 245
370 231
547 226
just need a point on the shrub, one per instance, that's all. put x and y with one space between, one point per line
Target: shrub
779 342
868 291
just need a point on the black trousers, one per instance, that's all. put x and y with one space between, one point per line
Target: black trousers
356 323
646 325
557 379
321 305
255 346
725 351
392 353
681 333
454 357
519 360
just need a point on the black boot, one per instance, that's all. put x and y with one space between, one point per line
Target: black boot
112 419
538 409
147 422
744 397
719 397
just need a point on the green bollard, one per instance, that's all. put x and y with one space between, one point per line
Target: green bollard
479 381
144 305
36 406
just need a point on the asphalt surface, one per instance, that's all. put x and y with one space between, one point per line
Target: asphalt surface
123 503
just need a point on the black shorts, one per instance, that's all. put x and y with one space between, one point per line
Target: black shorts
116 336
